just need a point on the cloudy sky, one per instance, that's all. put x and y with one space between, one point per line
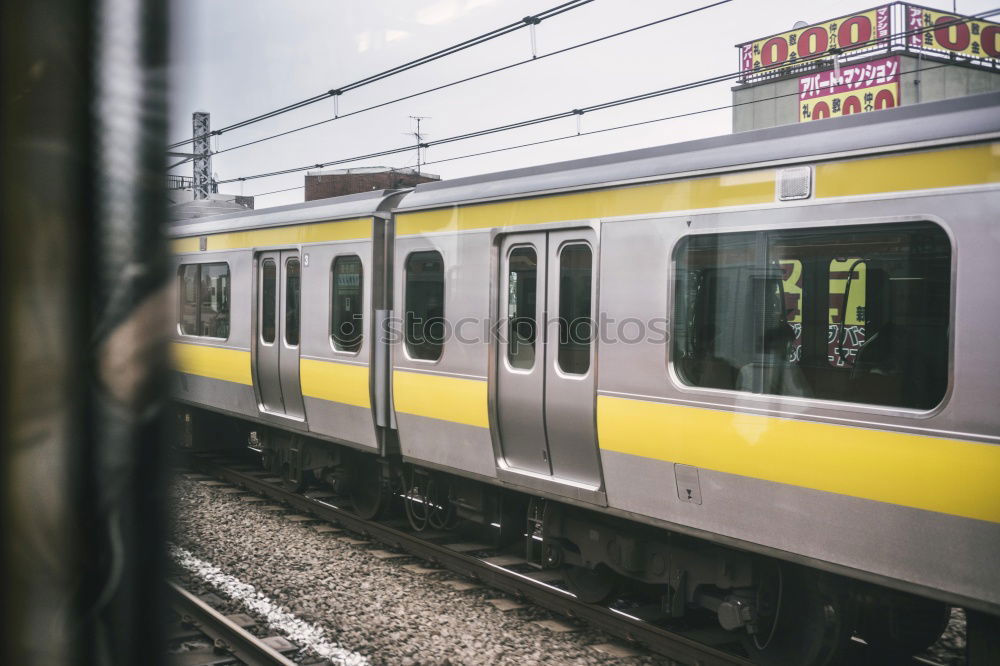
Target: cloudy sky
239 58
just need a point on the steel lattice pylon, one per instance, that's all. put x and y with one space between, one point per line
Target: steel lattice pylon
202 154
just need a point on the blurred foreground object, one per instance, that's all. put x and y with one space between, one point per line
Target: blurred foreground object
82 133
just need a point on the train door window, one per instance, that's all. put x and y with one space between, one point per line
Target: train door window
424 302
292 310
269 298
346 311
858 314
214 310
575 324
205 290
189 299
522 324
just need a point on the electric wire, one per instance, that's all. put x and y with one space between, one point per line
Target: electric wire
548 118
494 130
565 137
398 69
470 78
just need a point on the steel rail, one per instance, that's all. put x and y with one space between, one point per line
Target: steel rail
238 641
675 646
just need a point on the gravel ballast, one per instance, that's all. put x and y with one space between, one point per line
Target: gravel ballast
366 606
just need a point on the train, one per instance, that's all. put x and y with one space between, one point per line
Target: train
748 373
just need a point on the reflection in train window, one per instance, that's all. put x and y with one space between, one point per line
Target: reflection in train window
268 297
346 311
858 314
575 324
292 299
205 300
522 325
424 315
189 299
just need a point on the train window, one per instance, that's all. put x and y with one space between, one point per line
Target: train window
424 316
292 302
858 314
575 325
205 300
268 298
346 311
522 322
189 299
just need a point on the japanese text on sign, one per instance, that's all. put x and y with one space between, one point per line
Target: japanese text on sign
855 31
867 86
938 31
852 77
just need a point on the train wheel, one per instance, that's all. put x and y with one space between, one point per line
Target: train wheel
799 621
593 586
369 490
905 627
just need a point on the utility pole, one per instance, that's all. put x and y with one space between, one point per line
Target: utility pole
202 154
419 137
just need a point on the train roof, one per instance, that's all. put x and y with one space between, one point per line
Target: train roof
363 204
953 119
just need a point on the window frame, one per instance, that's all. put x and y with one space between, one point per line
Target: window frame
259 304
198 299
333 288
283 316
444 302
593 317
766 401
537 341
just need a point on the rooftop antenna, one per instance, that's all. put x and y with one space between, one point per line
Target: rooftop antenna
419 137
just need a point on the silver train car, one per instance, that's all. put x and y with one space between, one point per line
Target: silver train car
748 372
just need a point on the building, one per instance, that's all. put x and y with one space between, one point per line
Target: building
887 56
328 183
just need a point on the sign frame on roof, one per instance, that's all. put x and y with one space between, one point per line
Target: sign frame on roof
952 33
865 30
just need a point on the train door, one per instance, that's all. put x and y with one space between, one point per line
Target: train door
545 367
278 330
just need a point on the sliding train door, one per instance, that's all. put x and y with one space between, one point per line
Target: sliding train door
276 359
545 371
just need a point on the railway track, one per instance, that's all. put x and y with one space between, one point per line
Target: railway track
511 574
231 642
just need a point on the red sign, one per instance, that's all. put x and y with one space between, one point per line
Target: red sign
932 30
860 30
866 86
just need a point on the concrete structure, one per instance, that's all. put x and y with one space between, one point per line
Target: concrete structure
337 182
922 79
182 204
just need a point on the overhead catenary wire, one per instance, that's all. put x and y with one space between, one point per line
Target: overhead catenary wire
423 60
494 130
473 77
552 117
575 135
338 91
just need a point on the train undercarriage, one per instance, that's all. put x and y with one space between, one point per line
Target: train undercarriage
781 612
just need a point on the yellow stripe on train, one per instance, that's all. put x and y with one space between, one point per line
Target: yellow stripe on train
932 473
337 382
228 365
453 399
752 187
946 167
295 234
